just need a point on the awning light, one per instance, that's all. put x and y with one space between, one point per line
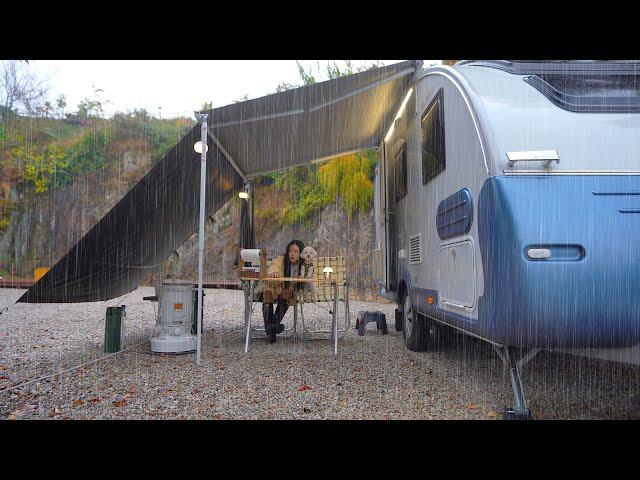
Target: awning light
198 147
399 114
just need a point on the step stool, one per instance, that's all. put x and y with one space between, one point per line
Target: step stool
365 317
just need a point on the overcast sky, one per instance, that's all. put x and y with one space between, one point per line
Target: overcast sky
173 87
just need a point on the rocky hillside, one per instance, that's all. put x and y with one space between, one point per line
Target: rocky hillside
60 176
44 226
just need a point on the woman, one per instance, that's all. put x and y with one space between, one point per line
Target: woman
287 265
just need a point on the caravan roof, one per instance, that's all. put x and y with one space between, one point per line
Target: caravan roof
588 111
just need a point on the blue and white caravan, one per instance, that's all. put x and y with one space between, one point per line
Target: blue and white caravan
508 207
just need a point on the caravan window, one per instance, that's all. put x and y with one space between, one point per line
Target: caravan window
433 151
400 173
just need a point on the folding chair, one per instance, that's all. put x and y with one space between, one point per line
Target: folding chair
331 291
251 300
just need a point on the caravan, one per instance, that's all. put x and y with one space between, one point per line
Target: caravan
508 207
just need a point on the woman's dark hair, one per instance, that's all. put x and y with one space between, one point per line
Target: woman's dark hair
287 263
294 242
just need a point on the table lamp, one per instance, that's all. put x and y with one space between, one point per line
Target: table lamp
327 272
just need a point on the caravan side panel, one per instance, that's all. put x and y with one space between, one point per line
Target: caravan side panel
452 266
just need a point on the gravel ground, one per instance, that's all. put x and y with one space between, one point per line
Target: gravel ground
373 377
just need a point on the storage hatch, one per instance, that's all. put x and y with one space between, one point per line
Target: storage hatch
456 265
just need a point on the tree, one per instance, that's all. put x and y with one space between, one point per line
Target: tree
206 106
44 110
243 98
307 77
92 107
88 108
19 87
284 86
333 71
61 103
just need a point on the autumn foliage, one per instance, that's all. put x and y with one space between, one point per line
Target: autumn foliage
305 190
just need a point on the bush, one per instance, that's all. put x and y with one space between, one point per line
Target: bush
308 189
162 134
350 177
89 153
51 152
270 214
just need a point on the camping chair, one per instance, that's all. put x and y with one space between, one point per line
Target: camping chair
258 331
330 292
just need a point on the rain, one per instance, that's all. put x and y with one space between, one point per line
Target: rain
488 211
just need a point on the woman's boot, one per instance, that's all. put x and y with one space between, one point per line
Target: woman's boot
269 324
281 309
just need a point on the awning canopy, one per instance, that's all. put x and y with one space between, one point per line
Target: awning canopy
151 221
160 212
313 122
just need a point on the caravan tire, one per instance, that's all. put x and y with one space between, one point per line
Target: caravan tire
415 330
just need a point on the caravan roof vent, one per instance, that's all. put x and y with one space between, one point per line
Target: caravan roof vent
415 249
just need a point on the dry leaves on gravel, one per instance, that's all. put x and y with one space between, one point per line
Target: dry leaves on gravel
56 411
125 399
304 388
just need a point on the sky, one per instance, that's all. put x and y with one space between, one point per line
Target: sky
173 87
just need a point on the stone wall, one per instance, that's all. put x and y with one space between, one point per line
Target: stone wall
45 226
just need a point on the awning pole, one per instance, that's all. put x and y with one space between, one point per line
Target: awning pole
202 117
252 233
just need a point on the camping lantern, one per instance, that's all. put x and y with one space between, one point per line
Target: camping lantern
327 272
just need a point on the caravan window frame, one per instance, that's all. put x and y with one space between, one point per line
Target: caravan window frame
440 148
400 173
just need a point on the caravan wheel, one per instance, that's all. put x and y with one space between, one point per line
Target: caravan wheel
415 330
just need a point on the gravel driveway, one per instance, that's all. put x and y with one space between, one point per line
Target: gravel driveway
373 377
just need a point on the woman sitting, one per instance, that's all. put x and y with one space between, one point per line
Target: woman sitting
287 265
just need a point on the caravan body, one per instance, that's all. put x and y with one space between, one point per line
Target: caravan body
508 203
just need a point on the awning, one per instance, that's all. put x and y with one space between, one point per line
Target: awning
314 122
246 139
138 234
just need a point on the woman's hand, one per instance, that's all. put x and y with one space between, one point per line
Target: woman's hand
274 275
286 294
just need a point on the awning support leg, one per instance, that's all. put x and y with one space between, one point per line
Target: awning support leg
507 354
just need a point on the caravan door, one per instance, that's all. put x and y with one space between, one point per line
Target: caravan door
380 254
